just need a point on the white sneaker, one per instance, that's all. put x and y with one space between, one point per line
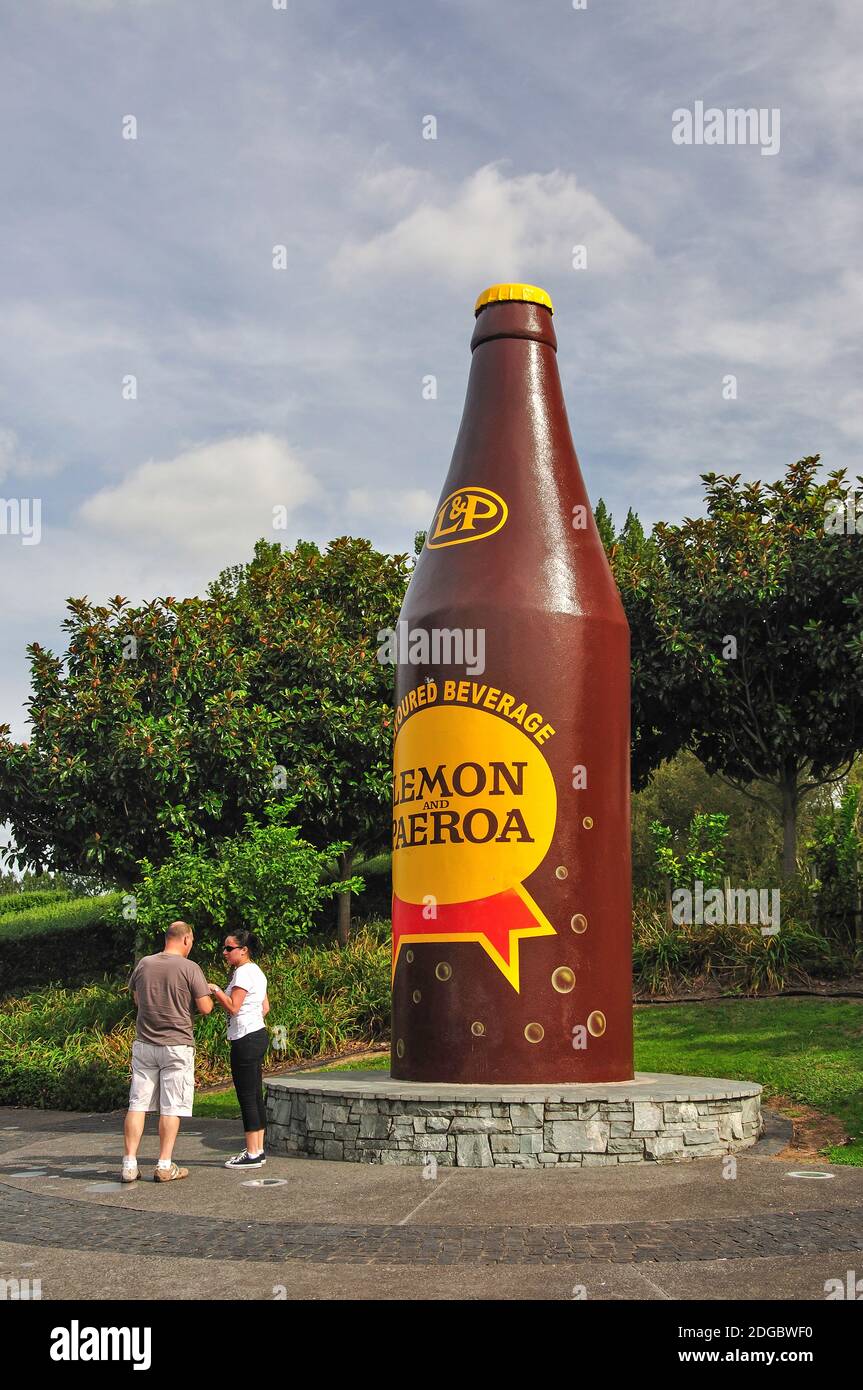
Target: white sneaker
245 1160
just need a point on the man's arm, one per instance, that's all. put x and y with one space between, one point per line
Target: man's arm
201 991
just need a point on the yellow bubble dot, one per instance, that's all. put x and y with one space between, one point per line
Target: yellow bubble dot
561 872
409 955
596 1023
588 822
443 970
534 1032
578 922
400 1048
563 979
416 996
477 1029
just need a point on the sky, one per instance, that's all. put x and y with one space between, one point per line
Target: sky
300 384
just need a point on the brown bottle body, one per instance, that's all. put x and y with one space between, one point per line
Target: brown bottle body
511 835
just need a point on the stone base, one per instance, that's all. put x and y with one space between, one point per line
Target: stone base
369 1118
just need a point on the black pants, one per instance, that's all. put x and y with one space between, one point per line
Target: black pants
247 1055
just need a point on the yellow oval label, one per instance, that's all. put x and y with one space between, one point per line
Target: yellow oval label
475 806
471 514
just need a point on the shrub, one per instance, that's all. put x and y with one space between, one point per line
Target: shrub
266 879
834 853
321 1000
744 959
70 941
11 904
667 956
664 954
703 857
68 1049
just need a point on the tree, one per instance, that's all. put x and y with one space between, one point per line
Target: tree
187 715
657 686
267 879
758 613
142 728
682 788
314 619
605 525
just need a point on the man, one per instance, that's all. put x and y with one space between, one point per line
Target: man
167 988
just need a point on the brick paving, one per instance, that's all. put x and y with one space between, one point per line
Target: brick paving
31 1219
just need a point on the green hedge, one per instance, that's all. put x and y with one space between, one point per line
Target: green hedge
71 941
11 904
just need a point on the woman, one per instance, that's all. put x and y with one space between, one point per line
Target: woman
246 1003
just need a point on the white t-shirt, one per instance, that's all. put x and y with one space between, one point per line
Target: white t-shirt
250 1017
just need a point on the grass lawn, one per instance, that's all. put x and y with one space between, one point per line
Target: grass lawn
217 1105
809 1050
380 1062
223 1105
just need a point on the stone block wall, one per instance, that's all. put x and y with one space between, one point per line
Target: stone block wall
484 1134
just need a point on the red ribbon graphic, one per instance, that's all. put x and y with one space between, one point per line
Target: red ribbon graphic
497 923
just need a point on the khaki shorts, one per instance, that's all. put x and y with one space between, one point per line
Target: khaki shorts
170 1070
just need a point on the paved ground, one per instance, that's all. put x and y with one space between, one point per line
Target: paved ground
339 1230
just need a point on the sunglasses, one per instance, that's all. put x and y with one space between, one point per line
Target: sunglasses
231 948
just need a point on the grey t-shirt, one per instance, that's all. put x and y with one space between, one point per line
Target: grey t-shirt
167 986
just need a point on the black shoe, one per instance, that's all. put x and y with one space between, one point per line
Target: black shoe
244 1160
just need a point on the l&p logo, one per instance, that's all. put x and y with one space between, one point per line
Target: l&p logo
471 514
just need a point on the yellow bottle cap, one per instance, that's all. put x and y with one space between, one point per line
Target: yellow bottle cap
530 294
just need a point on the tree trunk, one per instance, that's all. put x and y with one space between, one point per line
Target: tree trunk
789 824
346 864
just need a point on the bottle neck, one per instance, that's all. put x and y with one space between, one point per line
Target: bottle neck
514 319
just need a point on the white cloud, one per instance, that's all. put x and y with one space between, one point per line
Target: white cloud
208 501
168 527
762 343
410 506
493 227
392 189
